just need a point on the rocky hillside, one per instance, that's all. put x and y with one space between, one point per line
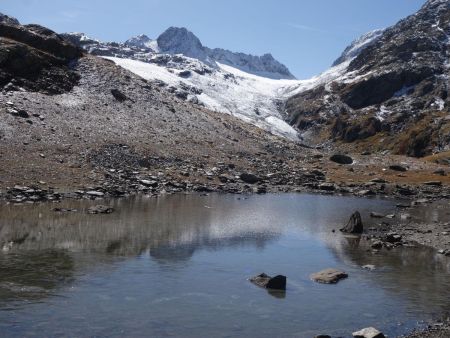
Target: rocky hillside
109 125
393 94
35 58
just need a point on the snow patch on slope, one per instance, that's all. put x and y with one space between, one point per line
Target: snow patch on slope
252 98
358 45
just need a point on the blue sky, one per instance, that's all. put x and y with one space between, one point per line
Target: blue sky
305 35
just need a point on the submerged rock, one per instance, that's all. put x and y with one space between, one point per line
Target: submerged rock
354 225
328 276
368 332
265 281
100 209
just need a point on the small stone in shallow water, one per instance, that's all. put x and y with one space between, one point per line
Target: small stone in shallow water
100 209
328 276
369 267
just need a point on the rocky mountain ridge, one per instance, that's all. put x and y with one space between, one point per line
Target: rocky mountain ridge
177 40
392 96
35 58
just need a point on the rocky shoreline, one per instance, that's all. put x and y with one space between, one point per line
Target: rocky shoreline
403 227
440 329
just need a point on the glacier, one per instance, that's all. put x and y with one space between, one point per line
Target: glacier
252 88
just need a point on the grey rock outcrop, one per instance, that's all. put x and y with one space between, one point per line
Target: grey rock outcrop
35 58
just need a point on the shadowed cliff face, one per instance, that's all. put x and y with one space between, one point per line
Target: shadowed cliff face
394 93
35 58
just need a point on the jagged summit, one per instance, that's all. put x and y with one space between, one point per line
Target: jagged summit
8 20
177 40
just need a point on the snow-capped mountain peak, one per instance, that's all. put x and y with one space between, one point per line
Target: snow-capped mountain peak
140 41
177 40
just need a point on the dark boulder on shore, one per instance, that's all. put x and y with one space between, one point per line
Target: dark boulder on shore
249 178
273 283
341 159
397 167
354 225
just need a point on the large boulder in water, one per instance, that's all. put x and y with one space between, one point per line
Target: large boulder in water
273 283
354 225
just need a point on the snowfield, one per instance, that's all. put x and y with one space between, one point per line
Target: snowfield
254 99
228 90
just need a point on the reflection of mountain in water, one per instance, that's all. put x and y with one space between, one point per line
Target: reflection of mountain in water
44 242
184 251
33 275
171 228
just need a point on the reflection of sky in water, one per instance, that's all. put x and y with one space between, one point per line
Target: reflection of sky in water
178 266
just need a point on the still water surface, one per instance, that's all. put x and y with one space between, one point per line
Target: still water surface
178 266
